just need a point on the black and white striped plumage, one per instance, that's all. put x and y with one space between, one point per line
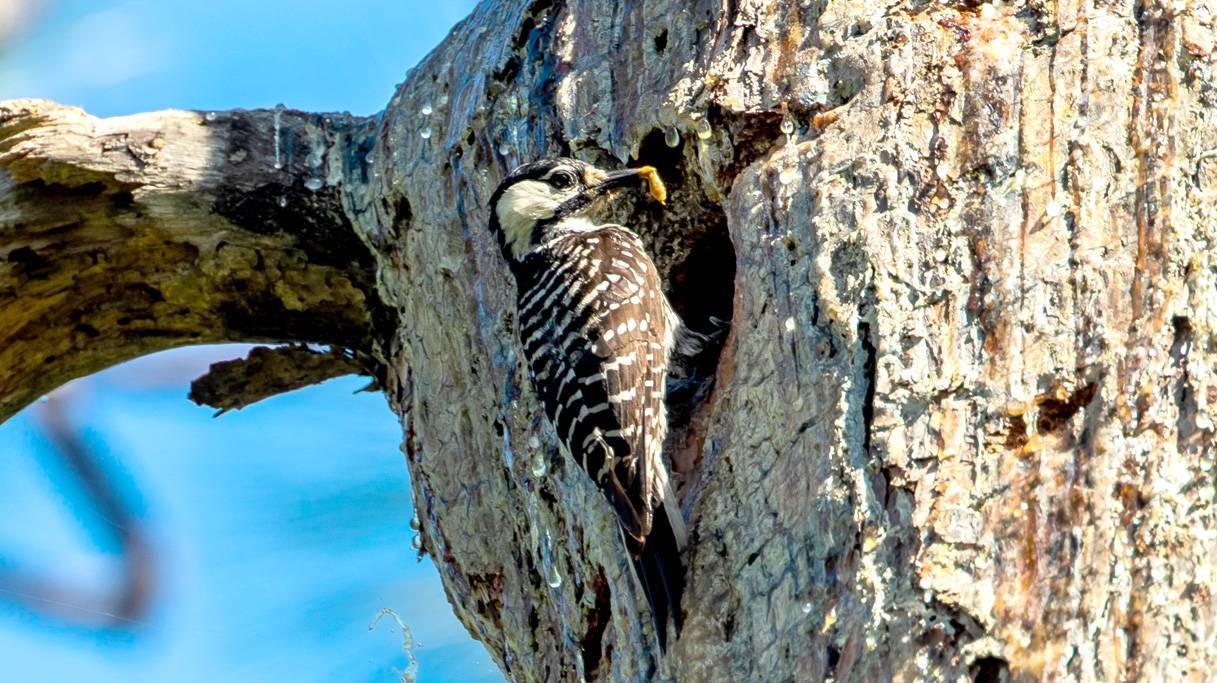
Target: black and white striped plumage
599 335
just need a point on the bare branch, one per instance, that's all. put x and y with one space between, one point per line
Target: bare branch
119 237
120 603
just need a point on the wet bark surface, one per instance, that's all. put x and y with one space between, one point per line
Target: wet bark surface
962 426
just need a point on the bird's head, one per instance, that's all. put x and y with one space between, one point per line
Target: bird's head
545 193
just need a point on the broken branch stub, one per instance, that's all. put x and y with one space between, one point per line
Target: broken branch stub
265 372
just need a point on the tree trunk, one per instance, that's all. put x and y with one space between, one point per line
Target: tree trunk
963 423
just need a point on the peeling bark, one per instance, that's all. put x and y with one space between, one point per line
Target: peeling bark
963 425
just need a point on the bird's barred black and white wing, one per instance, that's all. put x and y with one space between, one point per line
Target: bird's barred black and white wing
598 332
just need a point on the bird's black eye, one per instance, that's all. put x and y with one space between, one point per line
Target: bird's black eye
562 180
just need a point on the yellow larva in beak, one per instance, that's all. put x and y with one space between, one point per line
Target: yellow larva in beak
658 191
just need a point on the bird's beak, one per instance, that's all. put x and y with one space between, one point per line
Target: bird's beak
630 176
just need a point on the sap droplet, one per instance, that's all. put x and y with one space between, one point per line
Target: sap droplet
211 116
553 578
672 137
505 149
370 158
702 128
278 120
415 524
787 126
425 133
417 542
443 99
807 608
539 466
314 184
44 399
940 255
282 202
789 324
425 110
787 175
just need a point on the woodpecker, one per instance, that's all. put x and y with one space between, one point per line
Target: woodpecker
600 336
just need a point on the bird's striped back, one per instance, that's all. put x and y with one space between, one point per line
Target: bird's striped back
598 333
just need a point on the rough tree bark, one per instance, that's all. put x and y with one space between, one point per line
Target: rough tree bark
963 423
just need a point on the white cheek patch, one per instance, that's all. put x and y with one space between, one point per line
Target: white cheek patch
519 209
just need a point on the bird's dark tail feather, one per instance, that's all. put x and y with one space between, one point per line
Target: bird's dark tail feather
662 573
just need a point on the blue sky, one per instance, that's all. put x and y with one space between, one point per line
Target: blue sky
281 530
120 57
